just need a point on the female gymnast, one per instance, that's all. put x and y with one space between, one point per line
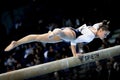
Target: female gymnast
82 34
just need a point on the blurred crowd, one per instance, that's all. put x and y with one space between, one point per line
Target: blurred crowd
23 17
36 53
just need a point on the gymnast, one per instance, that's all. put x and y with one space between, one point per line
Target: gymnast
81 34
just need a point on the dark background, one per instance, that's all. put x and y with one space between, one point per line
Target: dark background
30 11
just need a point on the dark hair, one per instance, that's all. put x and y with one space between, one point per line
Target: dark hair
105 25
106 22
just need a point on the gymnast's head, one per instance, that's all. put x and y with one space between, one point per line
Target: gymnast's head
103 30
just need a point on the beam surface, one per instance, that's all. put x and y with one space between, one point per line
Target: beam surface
57 65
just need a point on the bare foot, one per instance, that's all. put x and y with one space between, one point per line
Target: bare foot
11 46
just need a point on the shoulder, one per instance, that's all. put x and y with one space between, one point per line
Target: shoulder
97 25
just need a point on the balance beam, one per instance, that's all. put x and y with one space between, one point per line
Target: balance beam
37 70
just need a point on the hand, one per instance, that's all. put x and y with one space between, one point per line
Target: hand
77 55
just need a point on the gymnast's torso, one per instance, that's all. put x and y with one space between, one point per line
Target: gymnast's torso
86 35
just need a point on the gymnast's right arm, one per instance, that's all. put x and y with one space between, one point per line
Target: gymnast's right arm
73 49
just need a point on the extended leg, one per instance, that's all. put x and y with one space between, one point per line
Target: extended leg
33 38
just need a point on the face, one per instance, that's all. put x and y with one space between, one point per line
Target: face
102 33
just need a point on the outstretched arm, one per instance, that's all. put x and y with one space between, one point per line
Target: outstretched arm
73 49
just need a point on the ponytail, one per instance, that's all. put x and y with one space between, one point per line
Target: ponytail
105 25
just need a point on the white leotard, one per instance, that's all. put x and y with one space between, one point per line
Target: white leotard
87 35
